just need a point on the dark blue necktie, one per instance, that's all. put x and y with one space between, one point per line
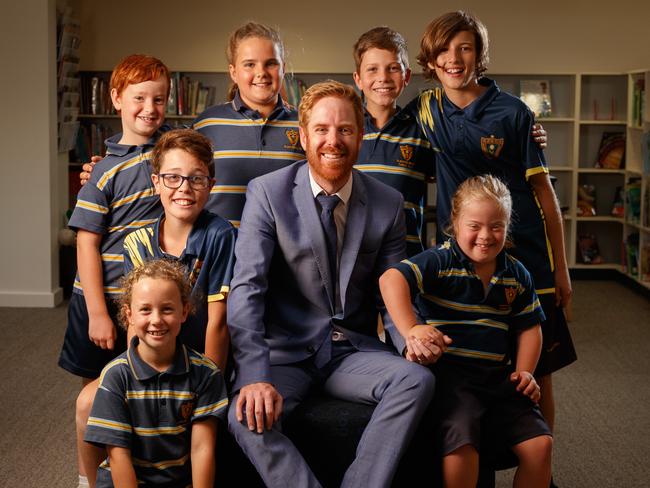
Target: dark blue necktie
328 203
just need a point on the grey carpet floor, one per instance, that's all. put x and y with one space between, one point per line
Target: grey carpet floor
602 432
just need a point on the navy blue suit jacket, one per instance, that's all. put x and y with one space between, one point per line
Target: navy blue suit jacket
279 309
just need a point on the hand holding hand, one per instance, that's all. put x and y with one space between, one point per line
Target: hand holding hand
263 406
425 344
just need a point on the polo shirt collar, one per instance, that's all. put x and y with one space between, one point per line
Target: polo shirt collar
467 263
142 371
114 147
399 115
239 106
477 107
193 241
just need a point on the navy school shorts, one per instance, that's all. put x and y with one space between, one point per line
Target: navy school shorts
79 355
480 406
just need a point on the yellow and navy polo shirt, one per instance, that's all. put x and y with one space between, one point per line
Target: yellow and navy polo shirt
450 296
491 136
151 413
246 146
400 156
209 258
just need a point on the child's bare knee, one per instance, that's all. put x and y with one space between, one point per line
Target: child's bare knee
85 402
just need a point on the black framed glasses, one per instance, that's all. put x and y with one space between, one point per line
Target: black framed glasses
197 182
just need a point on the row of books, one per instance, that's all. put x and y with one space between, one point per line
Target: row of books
90 141
293 89
189 97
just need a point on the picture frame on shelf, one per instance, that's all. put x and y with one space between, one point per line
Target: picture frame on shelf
537 95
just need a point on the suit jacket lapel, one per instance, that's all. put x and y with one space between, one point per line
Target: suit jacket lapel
306 205
354 231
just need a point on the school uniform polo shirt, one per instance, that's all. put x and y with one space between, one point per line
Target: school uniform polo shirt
118 198
246 146
450 296
399 155
491 136
151 413
208 257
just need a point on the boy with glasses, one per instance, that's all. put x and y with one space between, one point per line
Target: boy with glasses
183 175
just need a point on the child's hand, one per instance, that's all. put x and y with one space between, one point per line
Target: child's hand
539 135
563 290
101 331
425 344
526 385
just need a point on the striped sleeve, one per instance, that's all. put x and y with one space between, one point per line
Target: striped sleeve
91 210
533 160
419 271
109 423
221 267
526 309
212 398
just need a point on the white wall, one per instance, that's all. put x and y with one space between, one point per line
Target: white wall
541 36
29 197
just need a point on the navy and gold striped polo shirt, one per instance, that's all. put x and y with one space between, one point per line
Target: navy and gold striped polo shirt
400 156
151 413
450 296
209 258
118 198
246 146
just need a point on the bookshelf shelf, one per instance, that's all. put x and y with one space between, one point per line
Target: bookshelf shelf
602 171
603 122
600 218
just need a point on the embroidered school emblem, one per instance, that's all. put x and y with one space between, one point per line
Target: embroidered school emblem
491 146
293 136
186 410
407 152
194 274
511 294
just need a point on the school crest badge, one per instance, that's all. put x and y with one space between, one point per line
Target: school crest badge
293 136
511 294
407 152
491 146
186 410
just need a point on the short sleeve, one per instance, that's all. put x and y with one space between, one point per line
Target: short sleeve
91 210
109 423
526 309
211 394
532 155
221 267
420 271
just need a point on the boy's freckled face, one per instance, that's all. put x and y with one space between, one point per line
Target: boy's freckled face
142 109
156 313
455 66
183 203
381 77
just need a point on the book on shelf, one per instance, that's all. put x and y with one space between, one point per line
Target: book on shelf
644 261
631 255
586 201
618 206
633 201
645 152
638 102
611 153
537 95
